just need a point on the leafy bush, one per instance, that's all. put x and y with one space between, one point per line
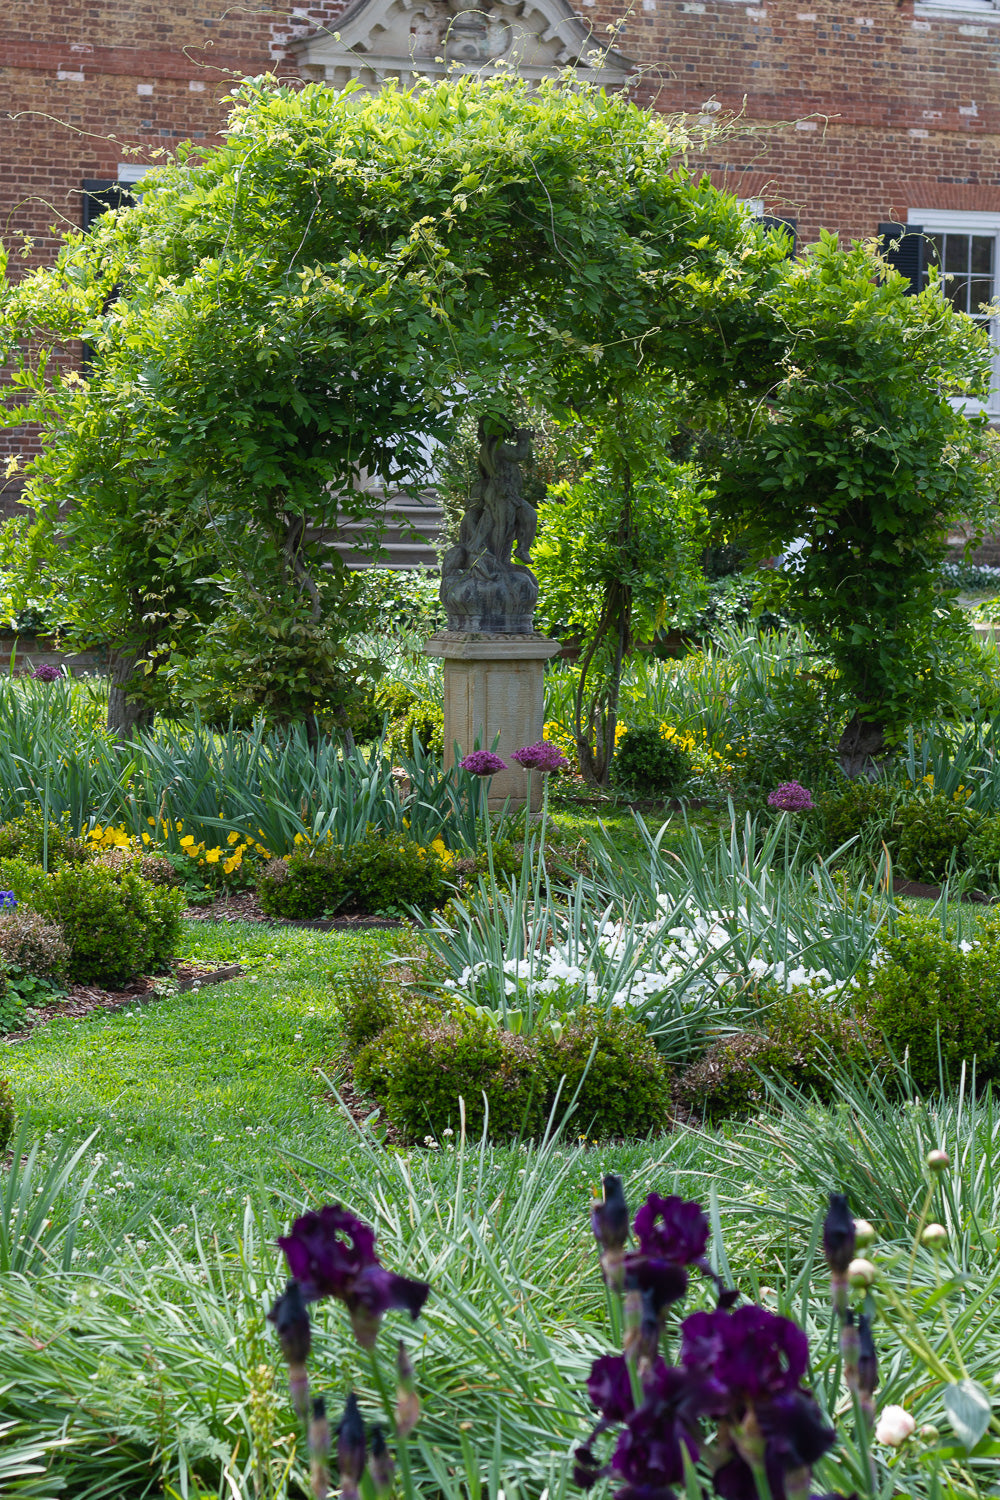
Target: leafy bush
6 1113
23 837
380 872
649 763
12 1010
931 833
804 1033
982 851
32 945
425 719
116 927
367 1004
624 1090
924 985
860 809
419 1067
421 1064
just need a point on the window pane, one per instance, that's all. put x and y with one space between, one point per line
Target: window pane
934 249
982 254
956 252
980 292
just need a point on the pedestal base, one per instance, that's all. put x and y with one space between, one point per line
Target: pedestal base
494 684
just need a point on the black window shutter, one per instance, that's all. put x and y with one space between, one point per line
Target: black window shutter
770 222
903 247
100 195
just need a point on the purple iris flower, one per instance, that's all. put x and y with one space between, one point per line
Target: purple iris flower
332 1254
482 763
609 1386
542 756
8 901
671 1229
753 1354
649 1453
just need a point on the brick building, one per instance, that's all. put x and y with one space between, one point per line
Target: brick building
854 115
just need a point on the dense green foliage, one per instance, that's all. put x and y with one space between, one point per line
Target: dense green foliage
117 925
7 1116
648 764
379 872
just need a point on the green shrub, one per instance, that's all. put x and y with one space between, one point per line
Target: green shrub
12 1009
367 1003
982 852
117 926
23 838
805 1032
425 719
647 764
861 809
420 1067
381 872
931 834
33 945
924 984
624 1091
6 1113
28 881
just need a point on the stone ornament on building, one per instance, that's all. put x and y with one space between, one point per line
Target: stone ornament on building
378 40
482 587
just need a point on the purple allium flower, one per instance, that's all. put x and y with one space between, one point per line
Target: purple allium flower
482 763
332 1254
542 756
838 1235
790 796
46 673
8 901
609 1386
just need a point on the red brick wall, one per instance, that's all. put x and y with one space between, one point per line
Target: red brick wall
852 113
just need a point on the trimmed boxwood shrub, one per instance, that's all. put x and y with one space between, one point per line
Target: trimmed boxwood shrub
804 1033
419 1068
931 834
649 765
117 926
624 1091
380 872
420 1065
924 986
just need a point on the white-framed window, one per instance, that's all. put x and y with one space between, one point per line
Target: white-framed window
988 9
965 247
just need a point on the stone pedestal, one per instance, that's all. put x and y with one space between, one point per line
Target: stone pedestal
494 683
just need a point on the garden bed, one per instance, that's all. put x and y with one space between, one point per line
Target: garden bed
244 907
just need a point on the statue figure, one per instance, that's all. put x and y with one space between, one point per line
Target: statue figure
482 589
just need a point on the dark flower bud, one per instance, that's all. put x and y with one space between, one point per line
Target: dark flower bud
380 1465
291 1323
838 1235
867 1357
586 1470
609 1386
319 1450
350 1448
610 1217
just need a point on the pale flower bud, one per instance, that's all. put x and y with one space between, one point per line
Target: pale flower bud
894 1426
929 1433
861 1273
938 1161
935 1237
864 1234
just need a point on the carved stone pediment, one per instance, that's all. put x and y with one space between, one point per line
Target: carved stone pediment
376 40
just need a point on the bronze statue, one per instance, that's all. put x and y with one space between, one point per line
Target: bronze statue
481 587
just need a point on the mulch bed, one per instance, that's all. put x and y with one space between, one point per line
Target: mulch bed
84 999
245 907
358 1107
932 892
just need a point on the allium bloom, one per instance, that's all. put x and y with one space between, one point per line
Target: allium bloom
542 756
332 1254
46 673
790 796
894 1426
482 763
